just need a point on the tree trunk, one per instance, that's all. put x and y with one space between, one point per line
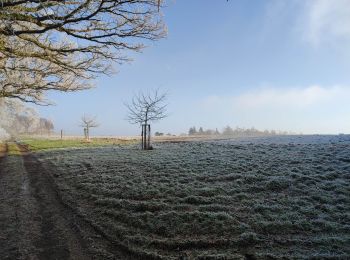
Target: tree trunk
142 137
146 137
149 138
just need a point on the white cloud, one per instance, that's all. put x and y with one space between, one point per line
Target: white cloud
270 97
311 109
317 22
298 98
326 21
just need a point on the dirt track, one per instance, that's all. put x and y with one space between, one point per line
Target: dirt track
34 222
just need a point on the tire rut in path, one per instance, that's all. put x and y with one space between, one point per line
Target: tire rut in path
59 238
3 154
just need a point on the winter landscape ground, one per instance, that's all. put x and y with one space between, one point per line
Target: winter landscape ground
243 198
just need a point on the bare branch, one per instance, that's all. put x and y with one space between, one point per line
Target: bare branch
88 121
63 45
147 107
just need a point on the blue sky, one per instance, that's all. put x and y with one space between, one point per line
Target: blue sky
274 64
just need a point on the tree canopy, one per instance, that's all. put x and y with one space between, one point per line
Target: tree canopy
62 45
147 107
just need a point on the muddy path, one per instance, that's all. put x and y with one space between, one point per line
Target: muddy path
10 193
36 222
58 237
3 155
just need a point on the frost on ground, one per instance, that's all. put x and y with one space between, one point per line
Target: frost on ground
263 197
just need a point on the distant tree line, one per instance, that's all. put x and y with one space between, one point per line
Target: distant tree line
229 131
193 131
162 134
24 124
16 118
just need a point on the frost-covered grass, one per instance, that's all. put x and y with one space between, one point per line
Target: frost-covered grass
267 197
37 144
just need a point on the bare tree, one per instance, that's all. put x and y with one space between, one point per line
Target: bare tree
45 125
145 108
62 45
88 122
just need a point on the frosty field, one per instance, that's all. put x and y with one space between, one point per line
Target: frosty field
243 198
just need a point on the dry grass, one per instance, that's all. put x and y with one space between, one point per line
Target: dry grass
13 149
39 144
3 149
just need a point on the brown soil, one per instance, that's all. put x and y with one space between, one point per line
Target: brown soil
35 223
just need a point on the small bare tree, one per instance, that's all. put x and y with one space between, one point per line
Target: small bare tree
145 108
88 122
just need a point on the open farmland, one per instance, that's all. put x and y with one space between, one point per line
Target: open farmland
262 197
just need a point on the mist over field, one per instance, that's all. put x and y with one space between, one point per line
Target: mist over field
16 118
